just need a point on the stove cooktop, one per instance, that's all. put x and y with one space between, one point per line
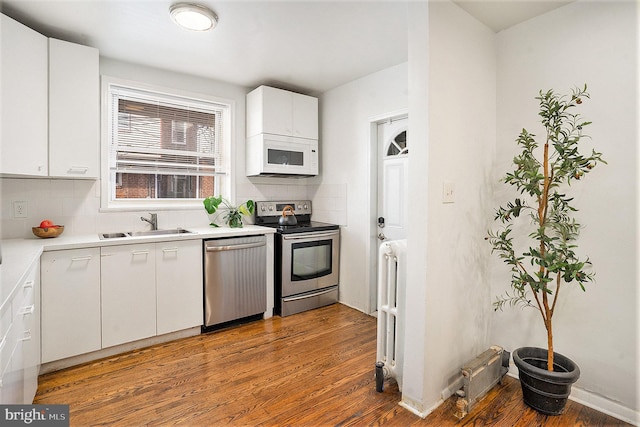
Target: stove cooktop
302 227
268 214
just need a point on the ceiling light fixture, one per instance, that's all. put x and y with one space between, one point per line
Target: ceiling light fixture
193 16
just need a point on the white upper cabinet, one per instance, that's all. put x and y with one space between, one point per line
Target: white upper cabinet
280 112
23 135
74 127
50 103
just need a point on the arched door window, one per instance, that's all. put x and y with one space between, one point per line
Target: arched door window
398 145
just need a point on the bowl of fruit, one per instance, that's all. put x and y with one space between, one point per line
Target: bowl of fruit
47 230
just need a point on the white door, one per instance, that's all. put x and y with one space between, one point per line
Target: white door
393 175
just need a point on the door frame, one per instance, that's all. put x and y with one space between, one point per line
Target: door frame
374 121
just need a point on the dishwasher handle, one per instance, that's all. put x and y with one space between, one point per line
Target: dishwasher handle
234 247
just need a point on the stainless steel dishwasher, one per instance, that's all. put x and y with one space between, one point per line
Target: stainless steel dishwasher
235 279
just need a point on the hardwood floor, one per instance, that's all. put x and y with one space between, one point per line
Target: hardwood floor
311 369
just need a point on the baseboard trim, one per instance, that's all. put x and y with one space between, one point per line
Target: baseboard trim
600 404
604 405
412 406
57 365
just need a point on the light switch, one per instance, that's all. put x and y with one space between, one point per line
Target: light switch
448 192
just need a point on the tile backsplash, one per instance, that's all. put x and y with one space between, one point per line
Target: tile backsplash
76 205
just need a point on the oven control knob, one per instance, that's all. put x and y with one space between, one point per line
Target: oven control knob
262 208
270 208
306 206
299 207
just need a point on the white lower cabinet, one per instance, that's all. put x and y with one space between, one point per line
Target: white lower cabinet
20 342
95 298
128 278
178 285
70 303
28 312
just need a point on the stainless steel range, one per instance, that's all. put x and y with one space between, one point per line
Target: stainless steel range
307 257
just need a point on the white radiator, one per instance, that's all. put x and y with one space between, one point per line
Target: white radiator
392 259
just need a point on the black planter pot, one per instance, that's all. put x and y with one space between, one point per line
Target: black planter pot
543 390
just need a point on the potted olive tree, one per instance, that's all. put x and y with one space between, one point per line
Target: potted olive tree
232 214
544 259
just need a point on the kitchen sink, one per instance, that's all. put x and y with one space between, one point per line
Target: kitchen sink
112 235
143 233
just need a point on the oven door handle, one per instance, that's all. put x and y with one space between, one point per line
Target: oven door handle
305 296
300 236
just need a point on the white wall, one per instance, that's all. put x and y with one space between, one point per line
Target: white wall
416 346
594 43
342 192
460 148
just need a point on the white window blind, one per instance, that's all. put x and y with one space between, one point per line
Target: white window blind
152 133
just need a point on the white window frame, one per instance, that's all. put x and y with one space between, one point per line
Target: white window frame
228 135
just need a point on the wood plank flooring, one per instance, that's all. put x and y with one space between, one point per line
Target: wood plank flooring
311 369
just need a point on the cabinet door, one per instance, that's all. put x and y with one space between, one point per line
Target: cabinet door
23 134
277 111
128 293
73 110
178 285
70 303
305 116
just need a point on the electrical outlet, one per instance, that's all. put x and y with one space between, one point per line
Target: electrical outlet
20 209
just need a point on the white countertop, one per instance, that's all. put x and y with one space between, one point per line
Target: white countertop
18 255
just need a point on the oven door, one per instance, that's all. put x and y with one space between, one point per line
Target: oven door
310 261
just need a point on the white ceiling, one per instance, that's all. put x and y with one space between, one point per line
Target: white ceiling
306 45
501 14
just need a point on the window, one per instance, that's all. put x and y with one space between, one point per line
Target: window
163 149
398 145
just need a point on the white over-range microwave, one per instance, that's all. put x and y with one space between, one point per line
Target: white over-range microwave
278 155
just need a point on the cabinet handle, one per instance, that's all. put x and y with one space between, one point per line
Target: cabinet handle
78 169
27 310
28 284
81 258
3 342
26 336
134 253
165 250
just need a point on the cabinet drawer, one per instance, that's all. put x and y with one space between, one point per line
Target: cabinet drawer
6 319
7 343
27 326
11 379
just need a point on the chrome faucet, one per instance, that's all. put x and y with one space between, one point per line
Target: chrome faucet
153 221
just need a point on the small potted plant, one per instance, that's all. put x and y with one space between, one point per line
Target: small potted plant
546 259
232 214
